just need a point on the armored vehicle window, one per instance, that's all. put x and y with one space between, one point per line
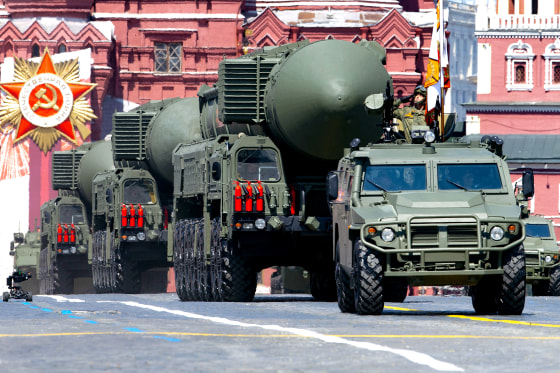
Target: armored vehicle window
394 178
537 230
469 176
139 191
258 164
71 214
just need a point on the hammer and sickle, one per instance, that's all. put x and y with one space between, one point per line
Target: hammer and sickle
49 104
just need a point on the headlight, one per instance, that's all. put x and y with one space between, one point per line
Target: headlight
497 233
141 236
73 249
548 259
260 223
429 137
387 235
248 226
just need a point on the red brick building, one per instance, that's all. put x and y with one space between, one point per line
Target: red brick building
148 49
518 90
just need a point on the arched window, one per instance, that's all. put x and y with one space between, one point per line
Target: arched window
61 48
519 59
35 50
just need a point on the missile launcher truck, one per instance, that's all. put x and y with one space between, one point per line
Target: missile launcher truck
132 202
65 229
249 190
25 248
542 256
428 215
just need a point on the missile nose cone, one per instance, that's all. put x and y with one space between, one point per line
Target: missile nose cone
316 103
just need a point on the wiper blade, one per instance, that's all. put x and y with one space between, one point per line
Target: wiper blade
456 184
375 184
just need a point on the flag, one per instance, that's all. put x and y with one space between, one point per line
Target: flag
438 63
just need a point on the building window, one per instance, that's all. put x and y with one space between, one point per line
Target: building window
519 58
552 66
61 48
556 73
35 50
520 73
168 57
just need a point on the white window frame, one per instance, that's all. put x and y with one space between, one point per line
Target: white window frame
551 58
519 52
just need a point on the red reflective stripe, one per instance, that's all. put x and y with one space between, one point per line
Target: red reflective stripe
293 203
140 216
132 216
237 197
59 234
124 216
249 198
260 197
73 234
65 233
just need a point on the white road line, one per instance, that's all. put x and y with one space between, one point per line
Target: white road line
60 298
413 356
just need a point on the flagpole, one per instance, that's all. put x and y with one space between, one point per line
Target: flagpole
441 70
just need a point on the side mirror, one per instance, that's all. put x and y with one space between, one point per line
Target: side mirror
332 186
47 217
528 183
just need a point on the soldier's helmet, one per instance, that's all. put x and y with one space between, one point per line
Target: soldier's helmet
420 90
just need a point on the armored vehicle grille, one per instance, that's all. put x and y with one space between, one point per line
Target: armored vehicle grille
457 235
65 169
242 85
532 258
129 135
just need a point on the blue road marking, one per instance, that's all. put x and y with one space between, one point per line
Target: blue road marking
91 321
33 307
65 312
134 330
167 338
46 310
75 317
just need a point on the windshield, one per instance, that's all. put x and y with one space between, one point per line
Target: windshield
71 214
139 191
393 178
537 230
258 164
469 176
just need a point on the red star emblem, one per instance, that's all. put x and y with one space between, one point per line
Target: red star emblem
46 100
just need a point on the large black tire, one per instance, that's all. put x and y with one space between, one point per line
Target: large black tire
29 296
130 281
394 290
368 281
554 286
65 283
5 296
190 262
216 262
344 294
323 284
511 298
239 280
483 296
179 260
203 274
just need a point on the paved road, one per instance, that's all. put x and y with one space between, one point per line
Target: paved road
276 333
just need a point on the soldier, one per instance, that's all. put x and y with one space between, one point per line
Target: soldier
413 114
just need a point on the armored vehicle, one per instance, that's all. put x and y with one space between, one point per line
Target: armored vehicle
133 201
65 229
25 248
542 256
427 215
249 188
